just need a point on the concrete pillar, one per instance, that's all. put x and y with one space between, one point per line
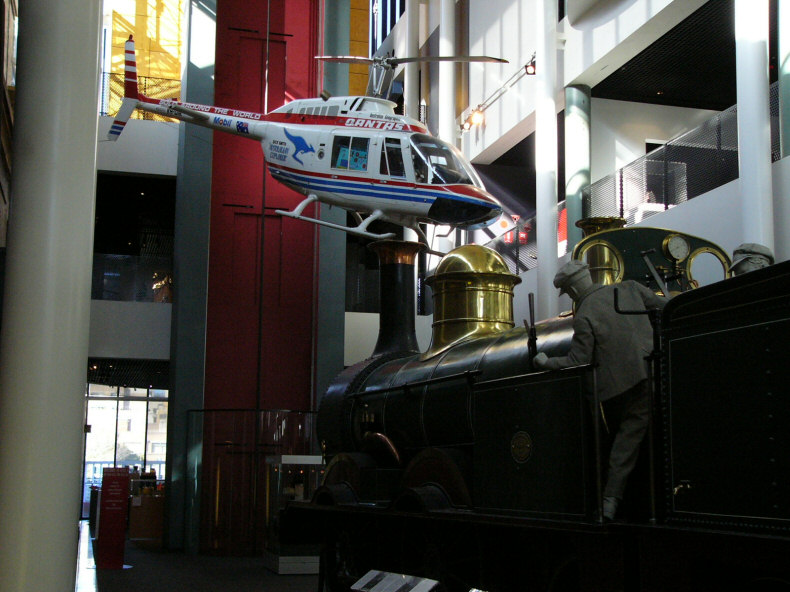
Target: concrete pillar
784 75
190 270
447 72
411 73
44 341
546 156
577 156
754 121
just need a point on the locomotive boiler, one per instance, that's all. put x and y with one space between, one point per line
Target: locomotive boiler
465 464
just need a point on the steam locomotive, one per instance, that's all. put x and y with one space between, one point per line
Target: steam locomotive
467 465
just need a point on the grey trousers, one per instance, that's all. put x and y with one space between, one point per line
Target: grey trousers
628 414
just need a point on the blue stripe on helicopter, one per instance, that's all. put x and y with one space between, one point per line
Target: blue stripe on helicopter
364 189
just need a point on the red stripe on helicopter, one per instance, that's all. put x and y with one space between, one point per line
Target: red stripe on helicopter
385 125
467 190
367 123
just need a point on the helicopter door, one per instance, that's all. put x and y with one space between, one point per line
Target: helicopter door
391 163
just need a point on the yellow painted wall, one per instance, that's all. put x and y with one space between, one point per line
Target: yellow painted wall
358 46
157 27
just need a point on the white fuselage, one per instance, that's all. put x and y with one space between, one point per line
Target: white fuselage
356 153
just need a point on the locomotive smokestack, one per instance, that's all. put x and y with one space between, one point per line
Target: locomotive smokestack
396 285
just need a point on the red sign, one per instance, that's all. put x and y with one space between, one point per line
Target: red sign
113 507
508 237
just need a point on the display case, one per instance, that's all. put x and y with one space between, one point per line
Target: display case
290 477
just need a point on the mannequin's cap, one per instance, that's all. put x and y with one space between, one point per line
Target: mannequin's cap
569 274
747 250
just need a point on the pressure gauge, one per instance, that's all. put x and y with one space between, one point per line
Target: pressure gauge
676 247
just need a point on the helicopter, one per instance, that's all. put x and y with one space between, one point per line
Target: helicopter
352 152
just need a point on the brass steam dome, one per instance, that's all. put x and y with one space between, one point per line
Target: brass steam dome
472 297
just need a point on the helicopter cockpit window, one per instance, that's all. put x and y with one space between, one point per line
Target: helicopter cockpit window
440 163
350 153
392 158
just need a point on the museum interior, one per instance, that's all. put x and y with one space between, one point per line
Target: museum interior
219 356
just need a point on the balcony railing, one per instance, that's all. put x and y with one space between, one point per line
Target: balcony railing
129 278
688 166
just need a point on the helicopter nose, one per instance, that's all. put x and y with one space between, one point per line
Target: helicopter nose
473 206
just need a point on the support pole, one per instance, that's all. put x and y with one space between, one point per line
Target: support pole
577 157
447 72
754 121
784 75
546 156
44 341
411 75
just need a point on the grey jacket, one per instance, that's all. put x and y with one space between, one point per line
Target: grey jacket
617 343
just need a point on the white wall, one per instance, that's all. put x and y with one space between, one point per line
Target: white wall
133 330
601 41
503 29
619 129
145 147
362 331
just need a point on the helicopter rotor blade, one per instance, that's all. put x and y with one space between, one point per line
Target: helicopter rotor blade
396 61
346 59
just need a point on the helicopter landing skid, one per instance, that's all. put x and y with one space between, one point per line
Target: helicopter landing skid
350 229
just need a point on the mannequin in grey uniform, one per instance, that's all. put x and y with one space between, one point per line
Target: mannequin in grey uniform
750 256
618 345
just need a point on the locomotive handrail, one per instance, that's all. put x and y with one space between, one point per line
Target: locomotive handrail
469 375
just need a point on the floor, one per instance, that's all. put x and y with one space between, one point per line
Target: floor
174 572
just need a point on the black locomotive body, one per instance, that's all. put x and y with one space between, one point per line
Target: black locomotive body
464 464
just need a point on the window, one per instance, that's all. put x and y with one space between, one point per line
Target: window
350 153
128 427
392 158
438 162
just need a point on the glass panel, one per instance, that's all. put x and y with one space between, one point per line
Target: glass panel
359 154
125 391
100 390
158 394
394 157
340 151
99 443
131 433
132 279
444 162
156 440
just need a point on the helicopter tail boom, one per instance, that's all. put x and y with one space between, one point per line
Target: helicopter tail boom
241 123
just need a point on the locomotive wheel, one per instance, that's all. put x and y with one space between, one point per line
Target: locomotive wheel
347 467
442 467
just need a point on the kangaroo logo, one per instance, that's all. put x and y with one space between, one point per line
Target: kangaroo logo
300 145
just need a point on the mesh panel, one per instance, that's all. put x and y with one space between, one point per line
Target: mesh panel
153 88
518 247
688 166
776 145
